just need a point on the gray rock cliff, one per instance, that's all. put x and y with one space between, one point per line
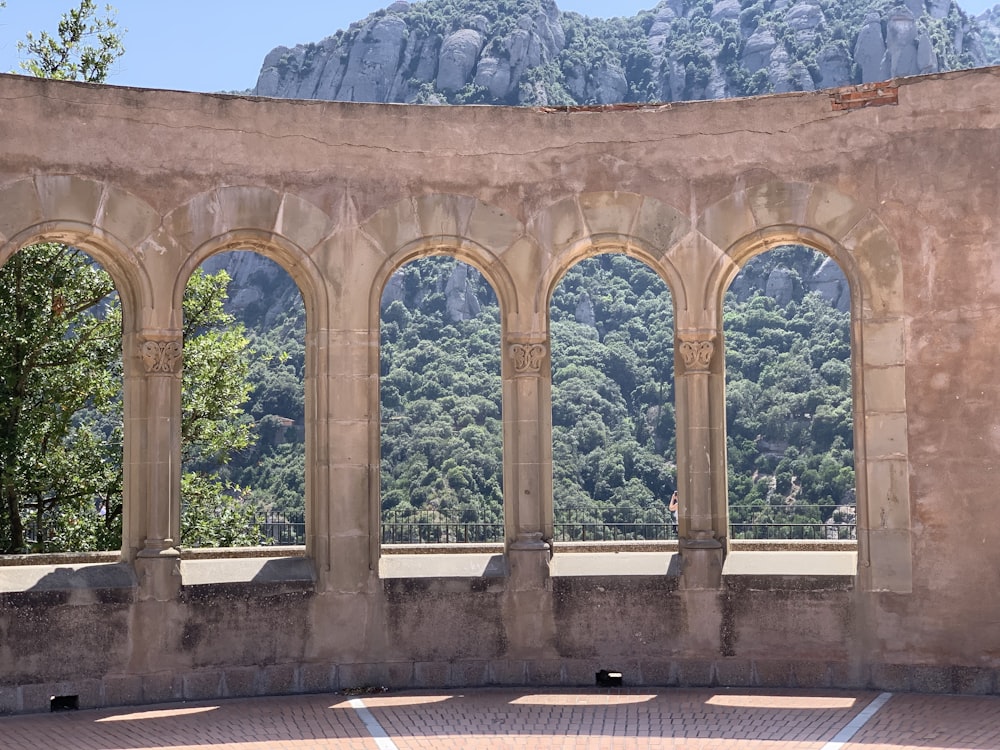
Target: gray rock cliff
440 51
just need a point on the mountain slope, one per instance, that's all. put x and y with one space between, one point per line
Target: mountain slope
529 52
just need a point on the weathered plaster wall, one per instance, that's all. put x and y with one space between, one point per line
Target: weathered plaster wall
903 195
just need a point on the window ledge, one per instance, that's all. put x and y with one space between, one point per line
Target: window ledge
820 569
59 558
66 577
618 563
206 571
446 565
669 545
220 553
443 549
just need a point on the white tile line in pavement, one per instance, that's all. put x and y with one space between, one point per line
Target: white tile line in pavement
847 733
374 728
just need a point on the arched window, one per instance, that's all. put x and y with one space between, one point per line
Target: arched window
441 470
789 410
243 411
60 403
613 430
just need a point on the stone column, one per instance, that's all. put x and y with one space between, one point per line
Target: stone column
701 549
155 473
528 461
344 540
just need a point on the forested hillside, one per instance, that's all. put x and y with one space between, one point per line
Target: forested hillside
788 400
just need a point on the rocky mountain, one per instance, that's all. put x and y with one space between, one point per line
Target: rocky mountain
529 52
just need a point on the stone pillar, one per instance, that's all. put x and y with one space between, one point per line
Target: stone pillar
528 464
154 479
344 491
700 546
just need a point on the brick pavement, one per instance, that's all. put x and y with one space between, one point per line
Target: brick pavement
557 719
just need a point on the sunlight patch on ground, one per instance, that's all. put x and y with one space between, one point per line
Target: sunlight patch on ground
782 701
580 699
162 713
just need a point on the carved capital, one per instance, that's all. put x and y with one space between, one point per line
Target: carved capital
161 356
697 351
527 358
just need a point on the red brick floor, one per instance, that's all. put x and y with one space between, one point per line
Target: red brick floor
556 719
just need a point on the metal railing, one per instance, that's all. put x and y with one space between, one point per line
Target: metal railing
794 522
277 529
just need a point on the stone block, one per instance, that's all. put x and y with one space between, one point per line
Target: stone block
443 215
811 674
279 679
728 221
162 687
611 213
773 673
431 674
508 672
559 226
10 700
19 208
886 435
470 673
128 218
301 222
578 672
38 697
832 212
884 342
122 690
545 672
779 203
973 680
695 672
659 672
392 228
318 678
896 678
885 389
203 685
888 495
240 682
366 675
891 557
69 198
660 226
879 263
493 228
931 679
734 673
248 207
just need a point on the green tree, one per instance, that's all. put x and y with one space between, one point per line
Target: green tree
60 365
58 337
60 369
85 47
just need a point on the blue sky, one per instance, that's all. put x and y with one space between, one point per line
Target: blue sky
218 45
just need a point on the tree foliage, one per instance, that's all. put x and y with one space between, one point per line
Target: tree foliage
61 376
84 48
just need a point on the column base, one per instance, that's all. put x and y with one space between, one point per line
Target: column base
528 558
158 567
701 561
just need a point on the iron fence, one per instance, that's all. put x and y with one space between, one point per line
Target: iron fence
277 529
794 522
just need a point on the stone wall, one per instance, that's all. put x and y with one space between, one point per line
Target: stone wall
899 188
